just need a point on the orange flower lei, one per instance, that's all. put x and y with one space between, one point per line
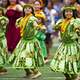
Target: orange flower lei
64 24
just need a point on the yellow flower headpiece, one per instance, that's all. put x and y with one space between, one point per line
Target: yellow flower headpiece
68 8
28 5
2 9
40 16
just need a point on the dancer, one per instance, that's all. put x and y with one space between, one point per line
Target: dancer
67 57
41 34
38 11
27 54
3 46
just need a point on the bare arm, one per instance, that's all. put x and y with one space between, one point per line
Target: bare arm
19 7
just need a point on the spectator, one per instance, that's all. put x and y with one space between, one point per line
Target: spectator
13 34
50 13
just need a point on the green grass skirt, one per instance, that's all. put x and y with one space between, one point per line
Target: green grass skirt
27 54
3 51
66 59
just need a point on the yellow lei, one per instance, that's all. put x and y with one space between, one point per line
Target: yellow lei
37 12
23 22
40 12
41 26
64 24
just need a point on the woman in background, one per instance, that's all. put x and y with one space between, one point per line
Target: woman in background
13 33
50 21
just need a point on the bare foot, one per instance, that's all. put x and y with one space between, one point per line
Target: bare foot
46 61
78 78
3 71
36 75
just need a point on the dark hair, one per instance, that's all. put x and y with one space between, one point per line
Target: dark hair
25 8
8 2
2 11
74 13
50 1
78 1
43 21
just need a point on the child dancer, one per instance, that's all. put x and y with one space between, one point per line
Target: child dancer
27 54
38 11
41 34
67 57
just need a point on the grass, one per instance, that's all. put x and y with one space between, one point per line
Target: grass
47 74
